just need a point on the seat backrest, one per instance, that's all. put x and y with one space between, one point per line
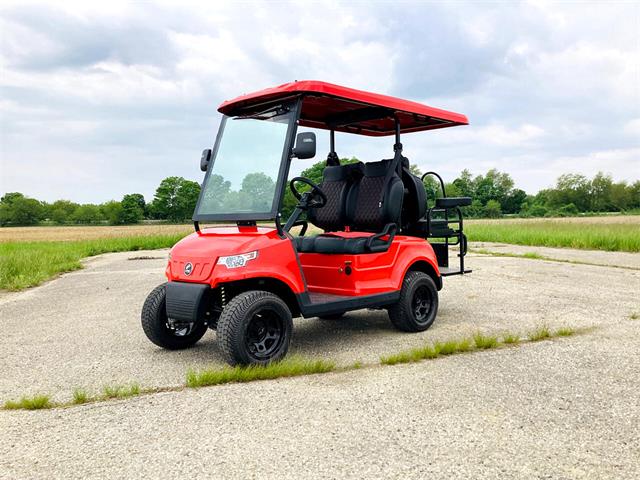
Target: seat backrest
337 181
415 198
363 200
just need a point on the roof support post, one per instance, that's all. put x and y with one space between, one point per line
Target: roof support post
398 146
332 158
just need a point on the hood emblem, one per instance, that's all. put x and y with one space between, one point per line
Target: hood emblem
188 269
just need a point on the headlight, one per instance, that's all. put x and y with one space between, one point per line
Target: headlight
236 261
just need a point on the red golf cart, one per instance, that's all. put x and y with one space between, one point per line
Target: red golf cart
248 281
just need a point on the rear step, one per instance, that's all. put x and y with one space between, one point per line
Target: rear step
448 271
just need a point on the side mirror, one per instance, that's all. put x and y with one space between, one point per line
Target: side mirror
205 159
305 145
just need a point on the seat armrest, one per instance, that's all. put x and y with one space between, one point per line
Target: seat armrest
453 202
390 229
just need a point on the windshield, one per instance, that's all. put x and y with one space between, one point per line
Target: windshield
244 174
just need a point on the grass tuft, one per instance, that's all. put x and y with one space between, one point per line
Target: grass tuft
564 332
634 316
540 333
37 402
80 396
510 339
289 367
485 342
356 365
120 391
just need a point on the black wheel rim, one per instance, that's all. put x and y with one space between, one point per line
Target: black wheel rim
265 334
180 329
421 304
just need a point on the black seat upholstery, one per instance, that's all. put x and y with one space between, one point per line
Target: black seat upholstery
331 244
336 183
415 199
362 210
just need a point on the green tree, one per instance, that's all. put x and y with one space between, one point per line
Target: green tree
492 209
87 213
570 188
132 209
16 209
492 186
112 211
600 192
175 199
61 211
512 203
464 184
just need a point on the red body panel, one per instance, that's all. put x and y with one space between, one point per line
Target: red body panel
371 273
324 273
276 257
324 100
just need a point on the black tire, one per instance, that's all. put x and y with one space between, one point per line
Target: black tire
156 327
332 316
418 305
254 328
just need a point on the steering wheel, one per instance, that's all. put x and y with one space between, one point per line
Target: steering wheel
313 199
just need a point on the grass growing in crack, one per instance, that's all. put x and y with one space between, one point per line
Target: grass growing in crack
289 367
36 402
564 332
484 342
121 391
80 396
510 339
540 333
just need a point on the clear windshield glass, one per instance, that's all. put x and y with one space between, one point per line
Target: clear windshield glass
244 173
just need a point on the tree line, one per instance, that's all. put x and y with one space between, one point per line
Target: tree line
174 201
494 194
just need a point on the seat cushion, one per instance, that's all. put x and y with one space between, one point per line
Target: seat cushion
331 244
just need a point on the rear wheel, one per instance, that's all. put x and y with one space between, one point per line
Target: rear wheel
163 331
418 305
255 328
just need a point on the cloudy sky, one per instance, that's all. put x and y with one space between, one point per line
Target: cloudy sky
98 101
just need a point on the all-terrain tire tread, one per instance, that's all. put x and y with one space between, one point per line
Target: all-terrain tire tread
153 303
231 318
399 313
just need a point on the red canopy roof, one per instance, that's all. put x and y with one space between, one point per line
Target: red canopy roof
343 109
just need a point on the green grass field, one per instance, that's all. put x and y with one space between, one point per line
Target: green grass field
26 264
623 236
29 256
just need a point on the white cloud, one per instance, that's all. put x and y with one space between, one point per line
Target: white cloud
121 94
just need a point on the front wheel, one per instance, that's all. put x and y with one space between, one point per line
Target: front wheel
418 305
161 330
254 328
